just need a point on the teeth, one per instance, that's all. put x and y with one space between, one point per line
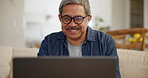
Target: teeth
72 30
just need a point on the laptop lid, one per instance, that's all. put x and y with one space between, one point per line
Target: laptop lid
64 67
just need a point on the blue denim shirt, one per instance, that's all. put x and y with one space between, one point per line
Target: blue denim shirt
97 43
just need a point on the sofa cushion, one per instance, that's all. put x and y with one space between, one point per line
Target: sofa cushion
25 52
5 58
133 64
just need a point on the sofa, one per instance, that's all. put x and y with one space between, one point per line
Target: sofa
133 64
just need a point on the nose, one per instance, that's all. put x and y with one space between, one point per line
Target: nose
72 23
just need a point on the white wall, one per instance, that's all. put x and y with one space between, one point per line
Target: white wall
102 9
145 13
37 26
127 14
118 14
11 23
37 10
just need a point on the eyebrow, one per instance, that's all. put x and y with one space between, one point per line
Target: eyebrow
74 16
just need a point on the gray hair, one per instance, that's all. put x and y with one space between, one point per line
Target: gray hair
84 3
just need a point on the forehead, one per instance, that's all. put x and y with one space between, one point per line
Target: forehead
73 10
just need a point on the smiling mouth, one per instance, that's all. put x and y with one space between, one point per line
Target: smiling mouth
72 28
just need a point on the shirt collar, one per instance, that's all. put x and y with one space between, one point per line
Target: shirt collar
62 36
90 35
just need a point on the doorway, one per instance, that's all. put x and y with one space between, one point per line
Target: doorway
137 13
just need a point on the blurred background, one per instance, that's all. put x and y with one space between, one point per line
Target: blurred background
25 23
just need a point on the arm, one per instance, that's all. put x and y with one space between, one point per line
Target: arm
43 51
112 51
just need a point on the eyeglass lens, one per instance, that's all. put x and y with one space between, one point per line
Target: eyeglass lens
68 19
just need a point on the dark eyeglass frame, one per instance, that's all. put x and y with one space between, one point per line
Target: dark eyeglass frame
74 19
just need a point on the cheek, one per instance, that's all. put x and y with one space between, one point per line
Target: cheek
83 28
85 24
63 25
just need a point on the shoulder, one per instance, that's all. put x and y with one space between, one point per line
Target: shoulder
96 35
104 38
102 35
54 35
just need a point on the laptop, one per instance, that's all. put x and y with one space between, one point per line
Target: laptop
64 67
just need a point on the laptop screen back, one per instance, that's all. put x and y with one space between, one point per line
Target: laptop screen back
64 67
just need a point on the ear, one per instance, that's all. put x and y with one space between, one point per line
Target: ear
60 17
89 17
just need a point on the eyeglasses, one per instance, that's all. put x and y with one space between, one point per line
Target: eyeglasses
67 19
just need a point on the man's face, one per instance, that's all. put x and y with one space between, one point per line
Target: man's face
76 28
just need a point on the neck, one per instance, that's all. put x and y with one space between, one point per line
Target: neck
76 42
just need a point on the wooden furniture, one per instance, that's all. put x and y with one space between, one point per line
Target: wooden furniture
121 38
146 45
